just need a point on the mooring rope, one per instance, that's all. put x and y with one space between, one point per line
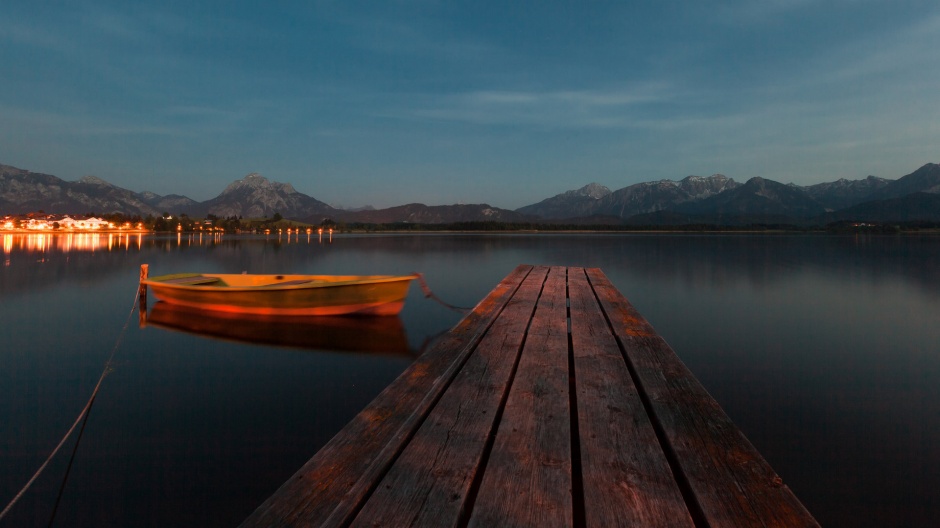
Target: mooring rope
431 295
68 470
81 415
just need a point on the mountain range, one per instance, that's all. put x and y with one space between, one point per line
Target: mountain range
715 199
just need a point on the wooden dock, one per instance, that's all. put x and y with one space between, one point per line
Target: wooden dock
554 403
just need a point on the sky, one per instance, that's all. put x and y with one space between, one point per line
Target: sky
506 103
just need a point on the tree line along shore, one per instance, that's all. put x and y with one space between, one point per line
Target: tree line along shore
276 223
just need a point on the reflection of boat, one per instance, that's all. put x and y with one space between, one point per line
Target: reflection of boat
284 294
354 334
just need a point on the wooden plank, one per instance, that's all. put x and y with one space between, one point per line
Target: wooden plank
626 477
429 483
476 432
730 483
527 481
337 478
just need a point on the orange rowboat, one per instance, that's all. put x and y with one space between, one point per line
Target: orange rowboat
284 294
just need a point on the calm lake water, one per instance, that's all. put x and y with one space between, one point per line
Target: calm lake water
824 350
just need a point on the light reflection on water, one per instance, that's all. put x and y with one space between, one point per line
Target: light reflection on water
67 242
822 349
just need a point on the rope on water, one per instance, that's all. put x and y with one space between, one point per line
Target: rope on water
430 295
68 470
81 415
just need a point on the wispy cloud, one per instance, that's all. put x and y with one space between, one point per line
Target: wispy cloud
25 33
555 109
761 11
411 31
51 123
892 57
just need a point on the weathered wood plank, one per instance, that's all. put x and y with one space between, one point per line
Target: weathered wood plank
476 432
626 477
343 471
527 481
429 483
731 482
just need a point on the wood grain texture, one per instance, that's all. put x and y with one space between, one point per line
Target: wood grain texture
428 484
626 477
528 479
732 483
479 430
339 474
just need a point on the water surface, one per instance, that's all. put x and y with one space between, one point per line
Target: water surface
822 349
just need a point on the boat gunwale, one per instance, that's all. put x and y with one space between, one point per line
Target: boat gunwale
312 284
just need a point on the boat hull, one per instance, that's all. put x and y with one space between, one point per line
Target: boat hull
284 294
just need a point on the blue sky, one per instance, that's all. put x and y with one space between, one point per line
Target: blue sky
508 103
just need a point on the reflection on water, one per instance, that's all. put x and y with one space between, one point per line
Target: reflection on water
66 242
822 349
377 335
696 261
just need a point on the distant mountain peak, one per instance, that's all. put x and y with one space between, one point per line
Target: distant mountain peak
563 204
714 177
925 179
256 196
701 187
661 183
644 197
94 180
255 182
592 190
251 180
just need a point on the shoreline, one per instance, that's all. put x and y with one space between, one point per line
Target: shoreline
729 231
73 232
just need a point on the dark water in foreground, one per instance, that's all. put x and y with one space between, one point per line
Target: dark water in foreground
824 350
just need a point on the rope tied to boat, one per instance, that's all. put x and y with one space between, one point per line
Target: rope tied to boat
428 294
81 416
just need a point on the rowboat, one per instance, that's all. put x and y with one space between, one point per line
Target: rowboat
365 335
283 294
